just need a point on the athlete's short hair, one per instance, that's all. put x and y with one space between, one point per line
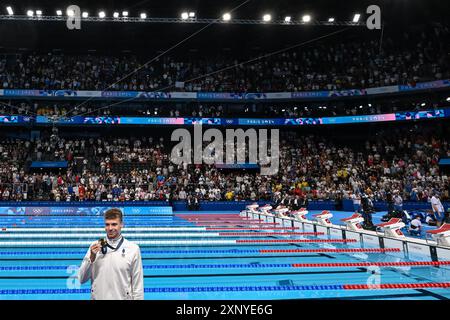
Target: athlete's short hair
113 213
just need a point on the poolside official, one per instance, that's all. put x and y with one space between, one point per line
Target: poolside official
115 265
438 208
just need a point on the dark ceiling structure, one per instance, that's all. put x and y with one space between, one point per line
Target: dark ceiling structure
397 15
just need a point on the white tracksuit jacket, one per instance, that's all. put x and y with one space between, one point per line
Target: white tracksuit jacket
117 275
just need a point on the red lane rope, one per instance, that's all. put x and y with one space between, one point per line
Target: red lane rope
231 225
267 228
208 215
328 250
239 223
227 220
217 217
397 286
368 264
294 240
260 234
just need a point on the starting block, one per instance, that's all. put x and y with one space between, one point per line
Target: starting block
250 209
300 215
253 206
266 210
280 212
324 218
354 222
441 235
392 228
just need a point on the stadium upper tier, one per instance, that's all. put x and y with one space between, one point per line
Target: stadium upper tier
407 58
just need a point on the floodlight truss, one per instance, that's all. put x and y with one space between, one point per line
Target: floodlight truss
180 20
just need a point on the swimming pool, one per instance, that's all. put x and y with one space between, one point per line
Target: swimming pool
213 256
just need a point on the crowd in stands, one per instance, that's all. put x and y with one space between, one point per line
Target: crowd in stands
404 59
312 166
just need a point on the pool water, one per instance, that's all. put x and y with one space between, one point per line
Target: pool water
218 256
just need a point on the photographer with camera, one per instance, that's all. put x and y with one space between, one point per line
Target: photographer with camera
390 201
367 209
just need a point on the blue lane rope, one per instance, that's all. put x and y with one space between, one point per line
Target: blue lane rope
201 251
219 266
156 266
231 251
187 289
16 253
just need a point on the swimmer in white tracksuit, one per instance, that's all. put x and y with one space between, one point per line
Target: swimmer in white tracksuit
115 269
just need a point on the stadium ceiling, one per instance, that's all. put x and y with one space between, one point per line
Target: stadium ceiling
163 24
282 12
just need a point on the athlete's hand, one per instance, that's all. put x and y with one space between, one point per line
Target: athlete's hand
95 248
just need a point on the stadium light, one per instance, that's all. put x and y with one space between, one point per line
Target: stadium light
115 14
58 12
184 15
331 20
10 11
143 15
287 19
30 13
356 17
39 12
423 104
191 14
226 17
102 14
267 17
448 99
125 13
360 107
306 18
85 14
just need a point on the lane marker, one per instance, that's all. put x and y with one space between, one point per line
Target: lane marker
368 264
229 251
296 240
265 234
139 242
132 229
257 229
368 250
392 286
154 235
248 265
173 242
102 235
